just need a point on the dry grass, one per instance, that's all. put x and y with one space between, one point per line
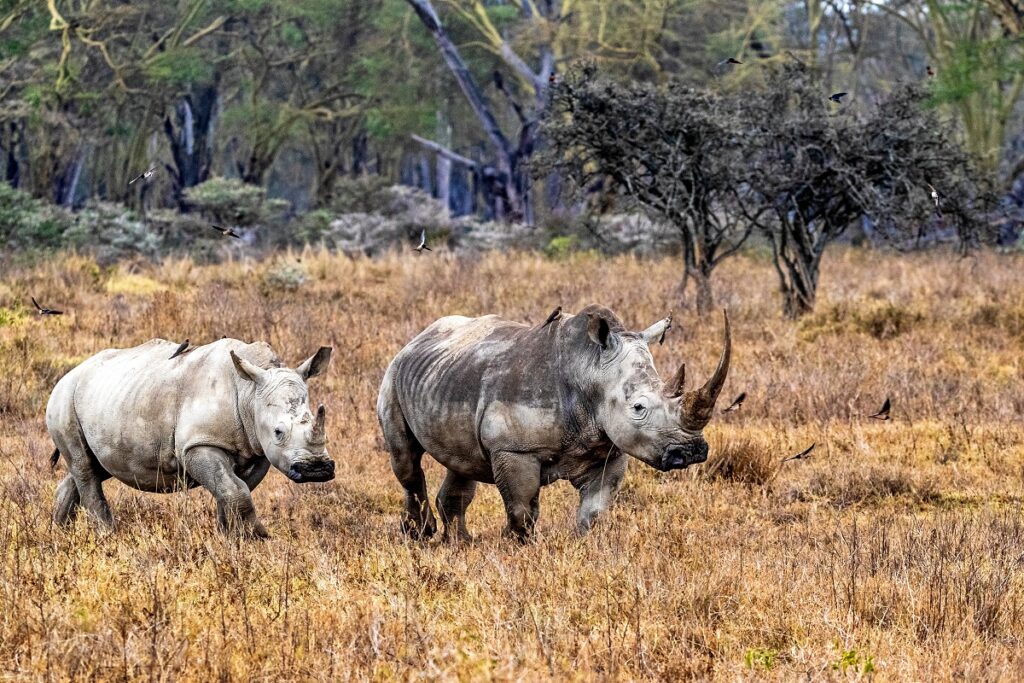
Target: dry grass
895 551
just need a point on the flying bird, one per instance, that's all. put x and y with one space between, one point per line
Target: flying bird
226 232
935 194
43 310
737 403
555 315
423 242
837 97
883 414
180 350
145 175
802 454
729 60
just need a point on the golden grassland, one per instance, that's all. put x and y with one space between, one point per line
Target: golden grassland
895 552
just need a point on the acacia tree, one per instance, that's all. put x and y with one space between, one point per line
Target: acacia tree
674 151
813 170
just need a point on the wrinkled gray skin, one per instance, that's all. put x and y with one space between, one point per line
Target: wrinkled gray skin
502 403
217 416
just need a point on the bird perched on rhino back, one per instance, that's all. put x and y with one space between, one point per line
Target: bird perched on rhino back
504 403
219 416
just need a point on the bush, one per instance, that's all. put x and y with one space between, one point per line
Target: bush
111 232
878 319
28 223
285 276
228 200
742 460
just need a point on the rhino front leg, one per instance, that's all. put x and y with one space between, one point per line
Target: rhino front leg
214 470
598 487
518 478
452 500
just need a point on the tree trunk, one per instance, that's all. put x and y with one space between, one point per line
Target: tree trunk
507 183
190 134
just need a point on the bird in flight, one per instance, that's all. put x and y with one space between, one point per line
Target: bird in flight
423 242
555 315
227 232
736 403
883 414
935 194
802 454
41 310
180 350
729 60
145 175
837 97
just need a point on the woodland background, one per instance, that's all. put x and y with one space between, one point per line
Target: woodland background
330 121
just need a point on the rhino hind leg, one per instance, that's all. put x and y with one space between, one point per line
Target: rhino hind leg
87 475
453 498
406 456
68 502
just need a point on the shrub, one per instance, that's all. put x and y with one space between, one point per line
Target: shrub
28 223
740 459
111 232
285 276
228 200
878 319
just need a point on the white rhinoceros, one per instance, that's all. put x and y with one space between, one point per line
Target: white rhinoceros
217 416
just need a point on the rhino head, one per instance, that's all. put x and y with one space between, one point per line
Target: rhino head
653 421
293 440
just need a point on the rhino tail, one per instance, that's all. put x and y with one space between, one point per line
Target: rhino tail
54 457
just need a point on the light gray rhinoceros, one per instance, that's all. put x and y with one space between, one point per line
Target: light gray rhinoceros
217 416
504 403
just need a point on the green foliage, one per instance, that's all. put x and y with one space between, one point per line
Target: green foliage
761 658
561 247
860 662
228 200
179 67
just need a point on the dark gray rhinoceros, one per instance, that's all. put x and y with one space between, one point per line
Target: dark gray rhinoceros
217 416
503 403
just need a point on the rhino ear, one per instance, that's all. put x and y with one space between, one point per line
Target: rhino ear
247 370
315 364
599 331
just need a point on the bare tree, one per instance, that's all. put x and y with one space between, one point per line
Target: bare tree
674 151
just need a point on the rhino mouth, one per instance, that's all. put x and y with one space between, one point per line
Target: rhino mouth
309 472
680 456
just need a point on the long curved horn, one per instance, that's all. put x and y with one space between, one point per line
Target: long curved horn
699 405
319 433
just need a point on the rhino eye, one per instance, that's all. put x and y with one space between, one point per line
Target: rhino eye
278 432
639 408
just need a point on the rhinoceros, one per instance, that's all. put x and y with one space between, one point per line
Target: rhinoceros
217 416
505 403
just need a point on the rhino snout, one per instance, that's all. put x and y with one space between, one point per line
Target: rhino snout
678 456
311 470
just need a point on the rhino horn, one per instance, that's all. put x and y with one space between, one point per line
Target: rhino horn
674 387
319 433
698 405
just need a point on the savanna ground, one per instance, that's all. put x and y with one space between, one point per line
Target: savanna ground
894 552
